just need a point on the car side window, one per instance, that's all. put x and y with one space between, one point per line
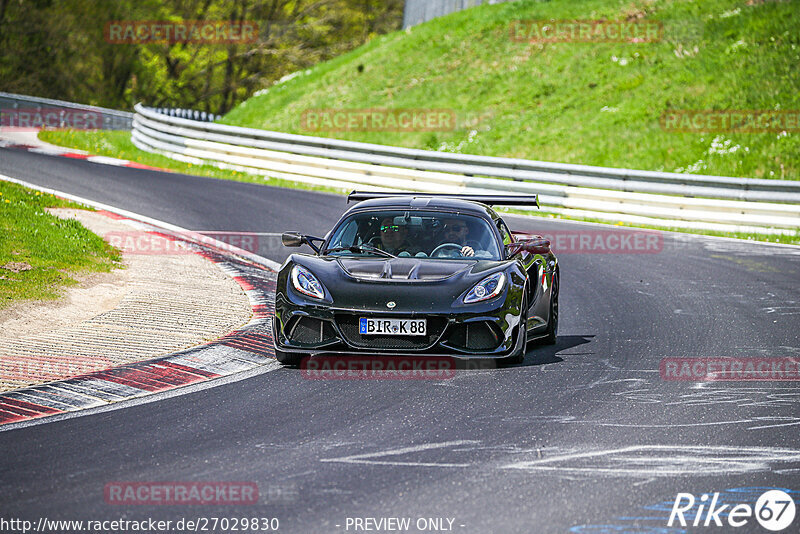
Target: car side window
347 236
504 232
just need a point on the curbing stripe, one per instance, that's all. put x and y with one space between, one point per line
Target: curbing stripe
23 405
215 363
239 351
102 389
249 342
68 153
64 397
18 411
169 375
8 417
40 398
112 215
88 400
189 370
137 378
246 356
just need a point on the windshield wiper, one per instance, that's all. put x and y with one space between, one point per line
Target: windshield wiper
363 249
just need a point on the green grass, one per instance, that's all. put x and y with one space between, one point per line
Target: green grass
56 249
570 102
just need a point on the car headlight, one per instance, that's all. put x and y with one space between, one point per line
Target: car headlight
306 283
489 287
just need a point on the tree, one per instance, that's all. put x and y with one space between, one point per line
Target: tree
59 50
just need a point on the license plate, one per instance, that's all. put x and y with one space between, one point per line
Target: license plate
392 327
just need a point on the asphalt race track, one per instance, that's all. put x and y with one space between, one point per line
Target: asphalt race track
584 435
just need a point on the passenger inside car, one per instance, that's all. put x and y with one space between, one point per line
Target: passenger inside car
394 237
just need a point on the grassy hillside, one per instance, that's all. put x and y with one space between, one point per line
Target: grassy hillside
591 103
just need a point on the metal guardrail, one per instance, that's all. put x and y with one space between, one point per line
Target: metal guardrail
190 114
31 110
666 199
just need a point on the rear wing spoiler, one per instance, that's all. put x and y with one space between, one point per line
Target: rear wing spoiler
489 200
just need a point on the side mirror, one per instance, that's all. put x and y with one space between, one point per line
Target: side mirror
538 245
292 239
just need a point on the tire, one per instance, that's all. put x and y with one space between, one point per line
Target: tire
286 358
519 355
552 323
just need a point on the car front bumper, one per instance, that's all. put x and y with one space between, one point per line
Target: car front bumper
485 332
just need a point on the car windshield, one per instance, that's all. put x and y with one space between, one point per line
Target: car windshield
421 234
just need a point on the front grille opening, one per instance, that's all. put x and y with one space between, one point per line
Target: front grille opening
349 325
479 335
310 331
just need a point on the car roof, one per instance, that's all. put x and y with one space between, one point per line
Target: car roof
422 202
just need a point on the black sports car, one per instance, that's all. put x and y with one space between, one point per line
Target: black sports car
420 274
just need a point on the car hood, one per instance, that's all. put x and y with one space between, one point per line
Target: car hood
415 285
404 269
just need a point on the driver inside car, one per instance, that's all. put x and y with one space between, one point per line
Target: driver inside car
456 231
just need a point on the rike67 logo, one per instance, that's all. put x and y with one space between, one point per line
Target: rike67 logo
774 510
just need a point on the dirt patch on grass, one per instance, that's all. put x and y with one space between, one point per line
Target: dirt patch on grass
95 293
17 266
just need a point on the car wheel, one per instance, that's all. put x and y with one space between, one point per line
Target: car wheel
519 355
552 324
286 358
